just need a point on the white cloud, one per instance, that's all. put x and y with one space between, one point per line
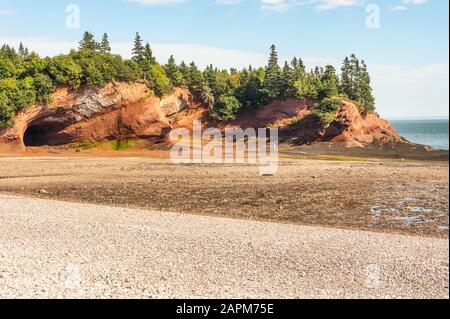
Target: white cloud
414 1
6 13
334 4
399 8
228 2
271 5
284 5
156 2
276 5
405 3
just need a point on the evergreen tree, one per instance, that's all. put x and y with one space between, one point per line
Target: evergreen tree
196 80
148 54
138 49
355 75
356 83
173 72
346 78
184 70
330 83
88 42
286 85
22 50
367 99
104 45
273 75
210 75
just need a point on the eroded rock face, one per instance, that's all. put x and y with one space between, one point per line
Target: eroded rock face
294 119
117 111
122 111
353 129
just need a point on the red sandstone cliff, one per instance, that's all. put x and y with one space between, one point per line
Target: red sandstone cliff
131 111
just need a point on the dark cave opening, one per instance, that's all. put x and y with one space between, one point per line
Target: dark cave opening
43 134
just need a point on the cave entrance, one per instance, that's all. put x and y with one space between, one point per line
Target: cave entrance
43 134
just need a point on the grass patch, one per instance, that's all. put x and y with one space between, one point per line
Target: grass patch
118 145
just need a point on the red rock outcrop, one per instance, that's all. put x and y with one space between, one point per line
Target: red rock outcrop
122 111
116 111
293 118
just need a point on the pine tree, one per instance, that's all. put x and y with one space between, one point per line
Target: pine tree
273 75
355 75
210 75
301 67
184 70
294 63
356 83
346 80
196 80
138 49
148 54
104 45
173 72
88 42
367 99
22 50
286 85
330 83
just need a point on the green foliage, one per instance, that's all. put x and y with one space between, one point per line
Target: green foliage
104 45
226 108
7 68
326 110
6 111
43 86
174 73
64 71
251 93
88 42
119 145
273 76
356 84
138 49
160 83
26 79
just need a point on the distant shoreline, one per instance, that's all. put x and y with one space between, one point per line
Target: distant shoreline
398 119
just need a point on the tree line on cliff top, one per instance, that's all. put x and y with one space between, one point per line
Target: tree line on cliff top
27 79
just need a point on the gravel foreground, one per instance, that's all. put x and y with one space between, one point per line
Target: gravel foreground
51 249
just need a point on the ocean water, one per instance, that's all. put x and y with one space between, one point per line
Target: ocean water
426 132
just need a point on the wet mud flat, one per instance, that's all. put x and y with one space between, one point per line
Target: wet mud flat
406 197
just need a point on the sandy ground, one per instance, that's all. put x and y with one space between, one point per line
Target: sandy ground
402 197
56 249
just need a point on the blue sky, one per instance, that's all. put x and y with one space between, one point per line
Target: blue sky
407 51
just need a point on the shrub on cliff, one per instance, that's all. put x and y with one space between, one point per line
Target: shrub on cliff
6 111
64 71
326 111
226 108
159 82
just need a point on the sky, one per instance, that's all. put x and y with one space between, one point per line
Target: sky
404 42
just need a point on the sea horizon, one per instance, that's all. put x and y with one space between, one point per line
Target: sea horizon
432 132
